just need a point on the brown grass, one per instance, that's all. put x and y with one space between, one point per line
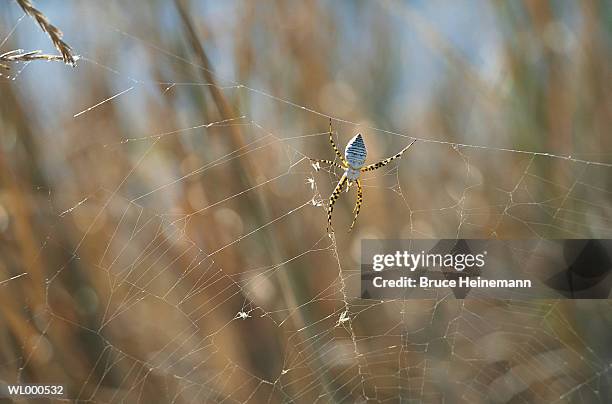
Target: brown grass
54 33
21 56
131 240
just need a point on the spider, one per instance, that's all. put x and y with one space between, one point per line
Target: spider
353 165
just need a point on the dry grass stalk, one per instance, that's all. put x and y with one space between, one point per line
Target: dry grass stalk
54 33
19 55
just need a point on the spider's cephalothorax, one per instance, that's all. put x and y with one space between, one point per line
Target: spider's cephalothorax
353 165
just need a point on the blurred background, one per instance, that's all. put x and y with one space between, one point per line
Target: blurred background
163 233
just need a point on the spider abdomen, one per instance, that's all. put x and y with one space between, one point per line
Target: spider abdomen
355 152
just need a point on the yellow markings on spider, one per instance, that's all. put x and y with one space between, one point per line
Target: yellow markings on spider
352 162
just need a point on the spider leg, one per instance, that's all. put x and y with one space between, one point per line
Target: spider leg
333 198
331 163
386 161
358 204
331 140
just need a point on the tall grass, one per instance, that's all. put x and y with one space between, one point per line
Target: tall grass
55 35
157 258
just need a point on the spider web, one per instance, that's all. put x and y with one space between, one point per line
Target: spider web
191 264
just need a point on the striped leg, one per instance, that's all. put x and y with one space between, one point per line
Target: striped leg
315 163
331 140
386 161
358 205
333 198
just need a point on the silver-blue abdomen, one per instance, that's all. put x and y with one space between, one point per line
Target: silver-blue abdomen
355 152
